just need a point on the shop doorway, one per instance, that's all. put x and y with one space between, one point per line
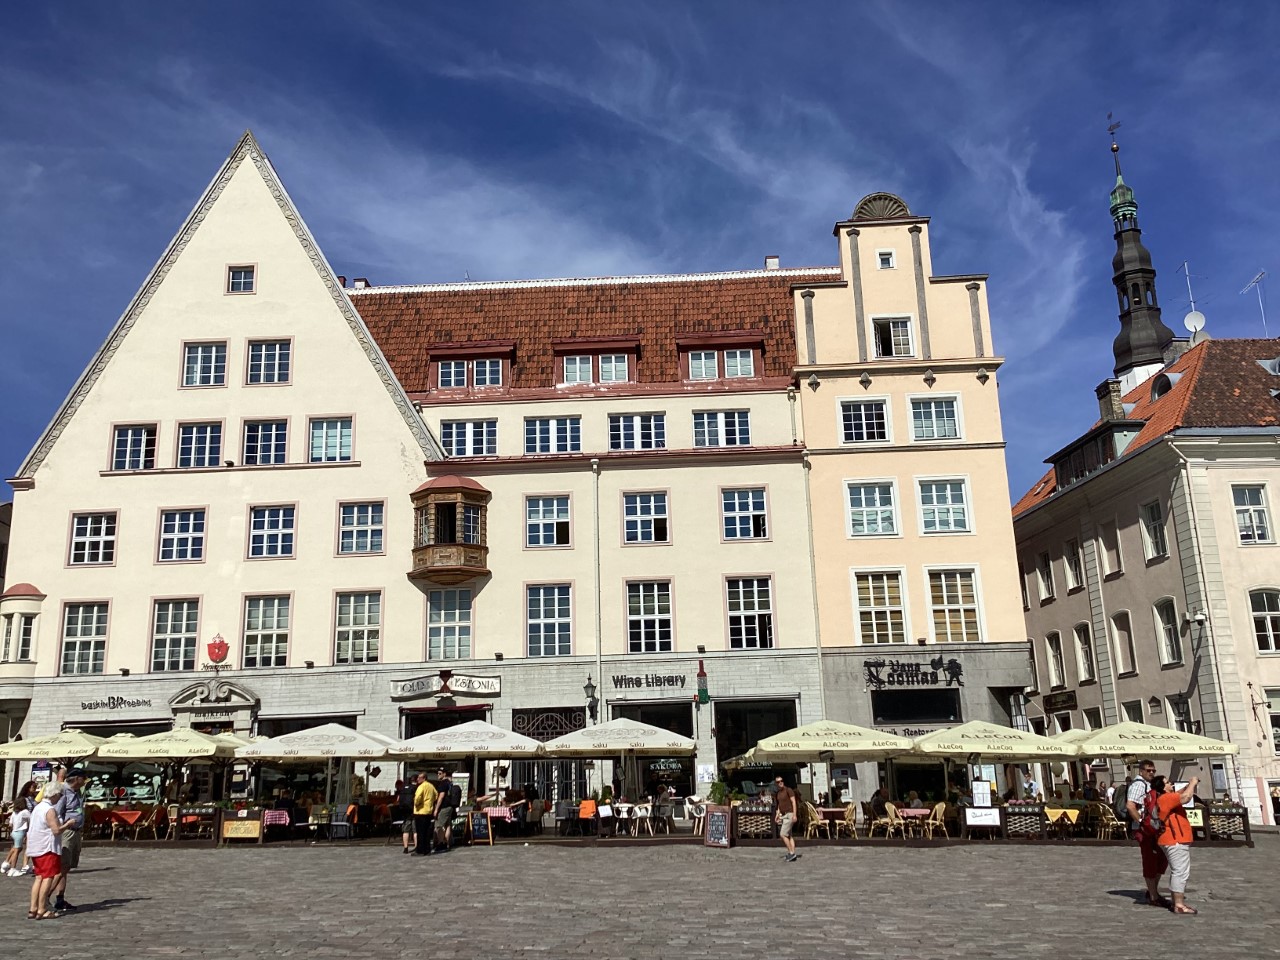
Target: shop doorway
651 775
550 780
739 725
415 721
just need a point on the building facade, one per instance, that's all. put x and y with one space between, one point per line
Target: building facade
1148 558
290 501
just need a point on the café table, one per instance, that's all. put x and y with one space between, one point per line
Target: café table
123 820
913 816
1063 819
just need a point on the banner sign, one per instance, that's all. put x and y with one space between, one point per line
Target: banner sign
446 684
914 673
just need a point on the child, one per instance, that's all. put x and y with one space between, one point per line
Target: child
19 820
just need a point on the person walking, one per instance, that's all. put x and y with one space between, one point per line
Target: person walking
19 820
44 846
1153 861
70 809
786 809
1175 836
449 796
424 808
404 812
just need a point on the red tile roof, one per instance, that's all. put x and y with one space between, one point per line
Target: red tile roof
1221 385
23 590
407 321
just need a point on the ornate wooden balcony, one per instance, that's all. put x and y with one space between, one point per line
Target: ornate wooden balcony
451 531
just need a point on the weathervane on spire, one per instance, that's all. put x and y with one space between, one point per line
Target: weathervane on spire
1112 126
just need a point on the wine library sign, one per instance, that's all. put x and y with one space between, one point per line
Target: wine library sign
446 683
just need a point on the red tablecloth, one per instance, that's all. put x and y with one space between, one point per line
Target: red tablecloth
275 818
127 817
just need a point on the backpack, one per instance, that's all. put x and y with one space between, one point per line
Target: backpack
1152 825
455 795
1120 801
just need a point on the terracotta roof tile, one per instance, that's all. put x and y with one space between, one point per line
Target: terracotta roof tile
406 322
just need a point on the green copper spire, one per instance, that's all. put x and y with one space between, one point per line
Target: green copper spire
1124 208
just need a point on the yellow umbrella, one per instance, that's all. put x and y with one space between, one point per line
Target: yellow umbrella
68 746
1129 739
992 741
181 743
831 741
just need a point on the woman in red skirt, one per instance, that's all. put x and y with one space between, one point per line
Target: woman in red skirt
44 848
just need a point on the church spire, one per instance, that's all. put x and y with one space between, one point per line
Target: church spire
1139 347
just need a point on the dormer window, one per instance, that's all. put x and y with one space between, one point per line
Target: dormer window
608 360
481 366
734 355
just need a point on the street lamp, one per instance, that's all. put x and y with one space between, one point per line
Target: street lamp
593 702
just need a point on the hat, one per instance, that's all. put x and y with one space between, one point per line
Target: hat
77 772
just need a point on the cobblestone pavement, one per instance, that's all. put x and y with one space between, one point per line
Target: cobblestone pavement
516 901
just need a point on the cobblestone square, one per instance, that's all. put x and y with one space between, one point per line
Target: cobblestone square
625 902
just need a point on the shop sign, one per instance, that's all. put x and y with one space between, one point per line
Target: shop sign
623 681
909 732
446 684
666 763
1060 701
914 673
115 703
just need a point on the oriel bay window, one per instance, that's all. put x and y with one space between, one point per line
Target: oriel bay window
450 536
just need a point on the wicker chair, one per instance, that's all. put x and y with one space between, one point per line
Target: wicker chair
936 821
849 824
150 822
889 823
813 822
1109 826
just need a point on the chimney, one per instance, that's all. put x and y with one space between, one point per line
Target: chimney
342 281
771 262
1110 404
360 283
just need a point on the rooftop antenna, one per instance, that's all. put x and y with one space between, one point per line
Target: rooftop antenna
1193 321
1256 282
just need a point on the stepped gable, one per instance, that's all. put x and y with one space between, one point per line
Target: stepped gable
658 311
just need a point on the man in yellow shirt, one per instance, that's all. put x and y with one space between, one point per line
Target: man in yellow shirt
424 809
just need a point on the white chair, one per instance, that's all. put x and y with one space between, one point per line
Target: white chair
642 818
622 811
697 811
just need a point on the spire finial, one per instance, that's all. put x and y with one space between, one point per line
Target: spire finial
1113 126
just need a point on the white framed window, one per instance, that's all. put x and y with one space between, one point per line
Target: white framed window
19 630
1073 564
1057 670
6 649
360 528
744 514
204 364
26 636
93 539
1044 575
546 522
469 438
135 447
1154 544
453 373
722 428
270 361
1084 652
174 627
885 259
644 518
739 363
358 627
613 368
703 365
881 607
893 336
1265 607
953 605
1253 523
487 372
649 621
872 509
266 632
1123 653
449 624
1109 535
84 638
1168 631
1132 710
864 421
330 440
553 435
637 431
750 606
1273 708
265 442
1093 718
199 444
1022 584
577 369
944 507
550 620
240 279
1035 665
271 531
935 418
182 535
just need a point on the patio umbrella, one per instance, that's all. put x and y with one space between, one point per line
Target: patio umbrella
475 737
621 736
990 740
751 758
318 743
181 743
831 741
1129 739
67 746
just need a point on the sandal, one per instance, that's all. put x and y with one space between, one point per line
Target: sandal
1183 908
33 915
1158 901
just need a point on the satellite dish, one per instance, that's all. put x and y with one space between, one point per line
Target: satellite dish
1194 321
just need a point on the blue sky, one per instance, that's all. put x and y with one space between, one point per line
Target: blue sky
508 140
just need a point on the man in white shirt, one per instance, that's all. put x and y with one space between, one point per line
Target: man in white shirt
1153 860
1030 789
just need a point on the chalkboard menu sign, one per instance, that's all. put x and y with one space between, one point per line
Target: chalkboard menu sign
719 831
480 828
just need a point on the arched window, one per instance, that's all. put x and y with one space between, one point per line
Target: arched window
1168 633
1057 670
1151 296
1135 294
1265 605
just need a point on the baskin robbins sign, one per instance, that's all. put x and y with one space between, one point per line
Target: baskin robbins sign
446 683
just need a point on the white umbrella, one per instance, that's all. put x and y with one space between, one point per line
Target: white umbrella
318 743
620 736
475 737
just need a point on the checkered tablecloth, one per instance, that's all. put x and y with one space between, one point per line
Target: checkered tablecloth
498 813
275 818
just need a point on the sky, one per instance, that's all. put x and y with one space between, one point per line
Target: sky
432 143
